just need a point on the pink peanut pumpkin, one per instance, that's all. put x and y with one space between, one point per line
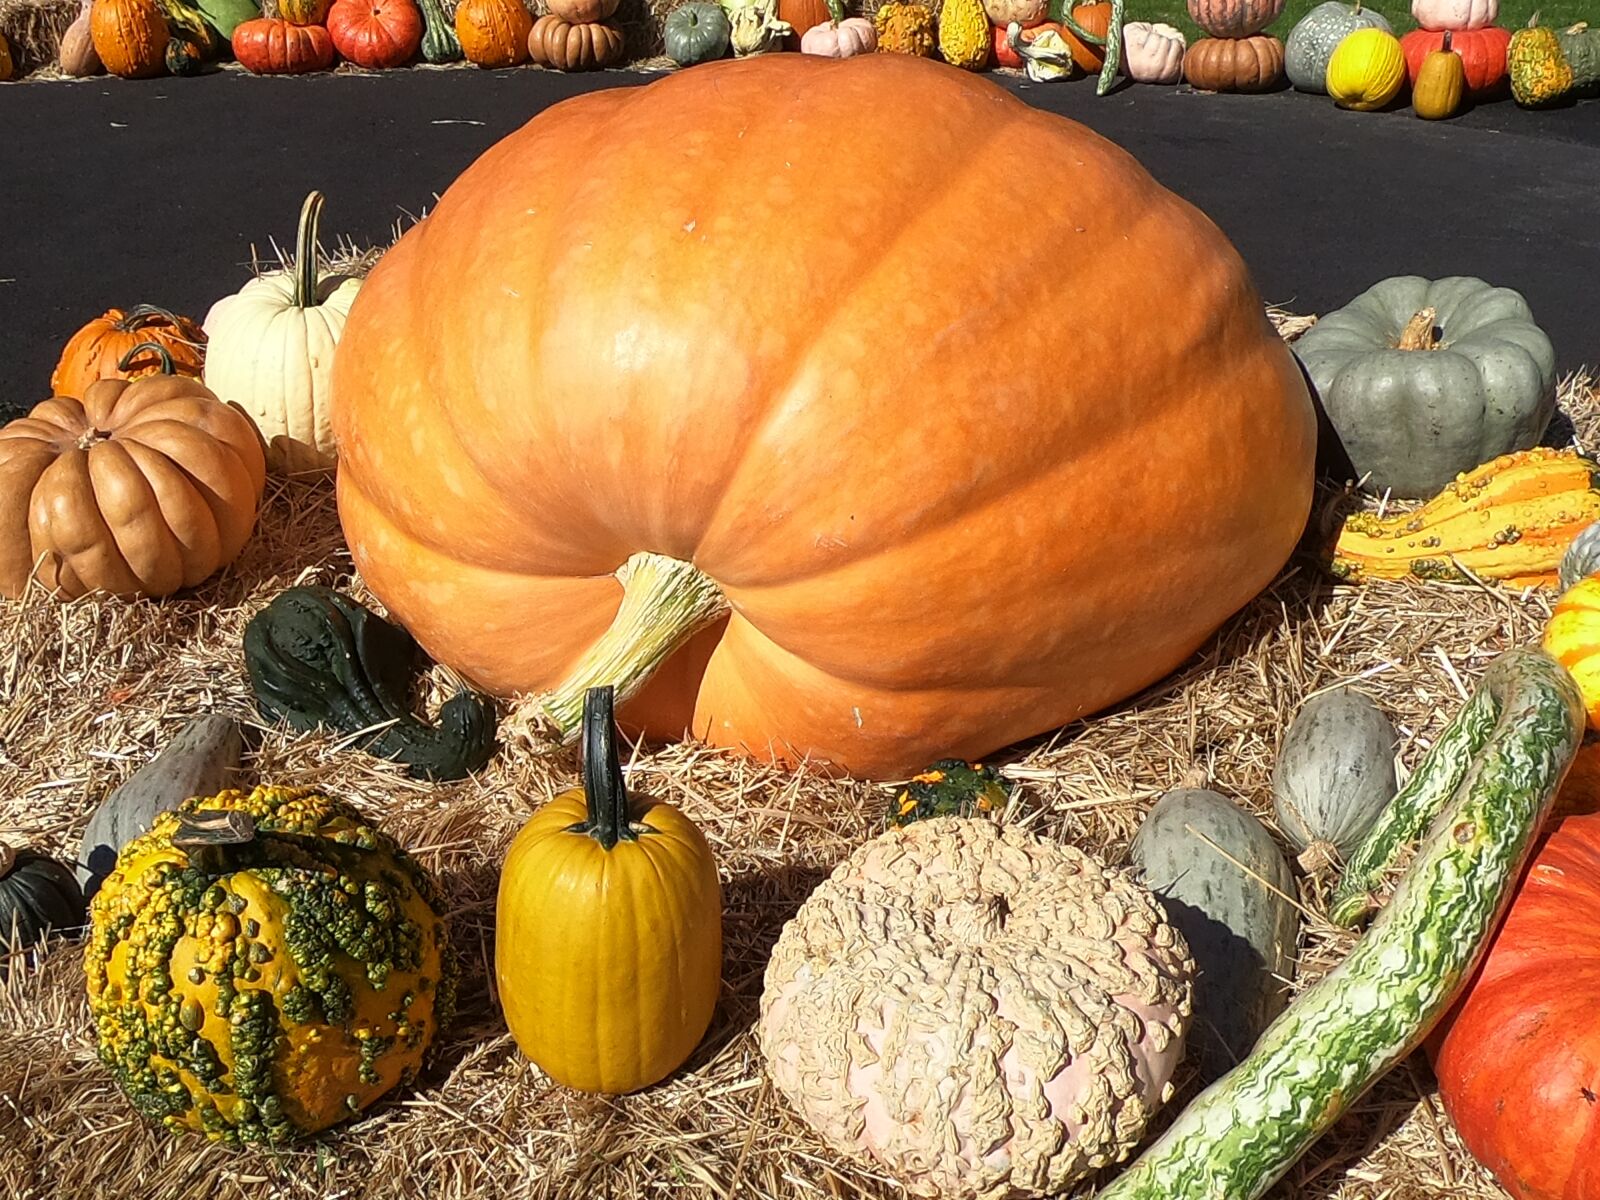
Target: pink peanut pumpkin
851 36
1234 18
917 1009
1436 15
1152 53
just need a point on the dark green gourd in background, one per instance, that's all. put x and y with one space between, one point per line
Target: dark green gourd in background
1225 885
1422 379
318 659
696 32
38 896
1335 776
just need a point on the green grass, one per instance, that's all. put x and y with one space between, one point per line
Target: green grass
1513 13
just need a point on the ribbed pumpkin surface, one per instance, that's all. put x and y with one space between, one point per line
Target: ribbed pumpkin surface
691 319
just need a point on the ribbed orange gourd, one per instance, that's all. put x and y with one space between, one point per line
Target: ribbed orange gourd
608 929
571 441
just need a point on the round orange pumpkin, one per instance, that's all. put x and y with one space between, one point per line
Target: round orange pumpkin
761 376
95 351
493 33
569 46
138 489
130 36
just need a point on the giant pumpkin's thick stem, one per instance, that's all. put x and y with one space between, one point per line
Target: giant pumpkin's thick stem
665 602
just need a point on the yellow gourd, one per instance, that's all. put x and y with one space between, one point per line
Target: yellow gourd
1441 82
1572 638
964 37
1367 70
608 935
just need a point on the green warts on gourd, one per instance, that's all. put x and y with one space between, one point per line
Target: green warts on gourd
665 602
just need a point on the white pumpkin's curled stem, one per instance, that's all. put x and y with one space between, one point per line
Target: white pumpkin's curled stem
665 602
604 791
305 253
1345 1031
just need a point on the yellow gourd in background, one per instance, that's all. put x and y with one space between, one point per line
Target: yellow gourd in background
608 933
1441 82
1367 70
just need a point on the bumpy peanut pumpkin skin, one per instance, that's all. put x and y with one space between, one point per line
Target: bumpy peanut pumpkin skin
919 558
984 1013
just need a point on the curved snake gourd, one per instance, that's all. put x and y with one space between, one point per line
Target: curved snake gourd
1491 779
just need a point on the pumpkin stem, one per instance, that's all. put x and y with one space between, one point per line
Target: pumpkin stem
1419 332
141 315
603 787
305 253
665 602
161 352
212 838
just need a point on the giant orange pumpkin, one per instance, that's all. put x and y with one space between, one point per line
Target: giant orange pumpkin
690 324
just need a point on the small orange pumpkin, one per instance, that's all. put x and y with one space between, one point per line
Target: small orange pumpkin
493 33
574 47
130 36
95 351
138 489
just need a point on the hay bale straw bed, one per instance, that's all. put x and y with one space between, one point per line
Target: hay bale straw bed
89 691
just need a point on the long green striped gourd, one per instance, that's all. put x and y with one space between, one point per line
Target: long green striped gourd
1508 751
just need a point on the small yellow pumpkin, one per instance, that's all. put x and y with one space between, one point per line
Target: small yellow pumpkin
1367 70
1572 638
1441 82
608 932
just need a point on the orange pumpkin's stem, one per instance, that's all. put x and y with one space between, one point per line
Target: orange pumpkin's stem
665 602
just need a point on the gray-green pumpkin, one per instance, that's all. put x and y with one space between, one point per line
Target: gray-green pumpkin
202 760
1334 776
696 33
1226 886
1311 42
1422 379
38 896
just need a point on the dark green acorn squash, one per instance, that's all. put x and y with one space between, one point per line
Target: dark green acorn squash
317 658
38 896
1225 885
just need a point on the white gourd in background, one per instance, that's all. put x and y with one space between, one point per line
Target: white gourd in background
270 350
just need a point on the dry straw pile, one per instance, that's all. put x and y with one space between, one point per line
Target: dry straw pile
89 691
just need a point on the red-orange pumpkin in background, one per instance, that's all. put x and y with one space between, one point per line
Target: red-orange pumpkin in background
1482 53
95 351
1518 1060
892 551
377 34
273 46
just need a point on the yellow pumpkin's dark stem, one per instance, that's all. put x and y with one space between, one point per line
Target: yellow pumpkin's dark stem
603 786
160 351
305 252
212 839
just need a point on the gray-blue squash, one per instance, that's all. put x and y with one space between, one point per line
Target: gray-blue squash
1310 43
1226 886
1334 776
1422 379
202 760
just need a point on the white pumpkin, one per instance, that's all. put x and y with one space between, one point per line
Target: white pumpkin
1152 53
1454 14
269 349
